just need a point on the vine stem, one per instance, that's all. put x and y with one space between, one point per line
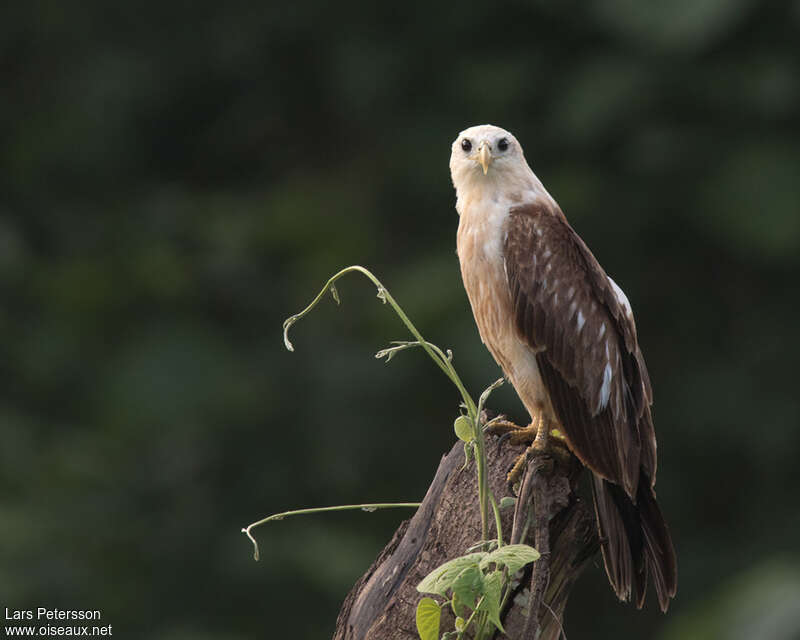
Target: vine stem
473 414
436 355
372 506
469 620
383 293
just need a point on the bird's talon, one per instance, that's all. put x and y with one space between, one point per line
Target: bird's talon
519 467
504 438
500 426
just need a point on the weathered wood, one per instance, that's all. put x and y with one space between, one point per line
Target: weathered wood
382 604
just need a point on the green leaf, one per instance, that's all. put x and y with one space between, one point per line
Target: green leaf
512 556
460 624
463 429
493 586
459 608
468 585
428 617
441 579
507 501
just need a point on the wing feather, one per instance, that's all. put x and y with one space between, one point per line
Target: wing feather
579 325
569 312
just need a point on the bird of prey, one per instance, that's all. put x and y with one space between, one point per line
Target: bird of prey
563 332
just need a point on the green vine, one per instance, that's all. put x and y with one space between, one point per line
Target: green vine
370 507
475 585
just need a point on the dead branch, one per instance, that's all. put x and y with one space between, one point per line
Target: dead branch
382 604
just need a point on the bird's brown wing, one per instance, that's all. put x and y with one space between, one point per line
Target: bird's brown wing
566 311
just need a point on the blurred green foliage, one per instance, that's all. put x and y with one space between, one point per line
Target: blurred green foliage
175 179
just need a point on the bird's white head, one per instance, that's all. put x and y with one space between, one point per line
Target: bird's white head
486 157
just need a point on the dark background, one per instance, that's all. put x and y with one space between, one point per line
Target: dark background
177 178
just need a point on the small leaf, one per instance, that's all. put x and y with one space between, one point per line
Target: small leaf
463 428
493 586
335 294
428 618
459 608
399 345
468 585
512 556
461 624
441 579
507 501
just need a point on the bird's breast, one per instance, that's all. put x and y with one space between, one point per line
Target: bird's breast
481 232
480 241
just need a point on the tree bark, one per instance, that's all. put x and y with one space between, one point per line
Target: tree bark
382 604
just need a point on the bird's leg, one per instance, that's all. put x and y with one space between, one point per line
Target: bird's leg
543 439
538 443
542 436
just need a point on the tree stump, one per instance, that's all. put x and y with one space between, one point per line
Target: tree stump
382 604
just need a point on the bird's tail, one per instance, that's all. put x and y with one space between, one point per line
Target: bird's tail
635 541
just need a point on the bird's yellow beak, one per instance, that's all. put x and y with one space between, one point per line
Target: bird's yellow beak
484 156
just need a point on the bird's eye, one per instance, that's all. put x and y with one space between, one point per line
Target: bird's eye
502 144
466 145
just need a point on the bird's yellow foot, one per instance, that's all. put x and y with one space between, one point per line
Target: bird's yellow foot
542 440
511 432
